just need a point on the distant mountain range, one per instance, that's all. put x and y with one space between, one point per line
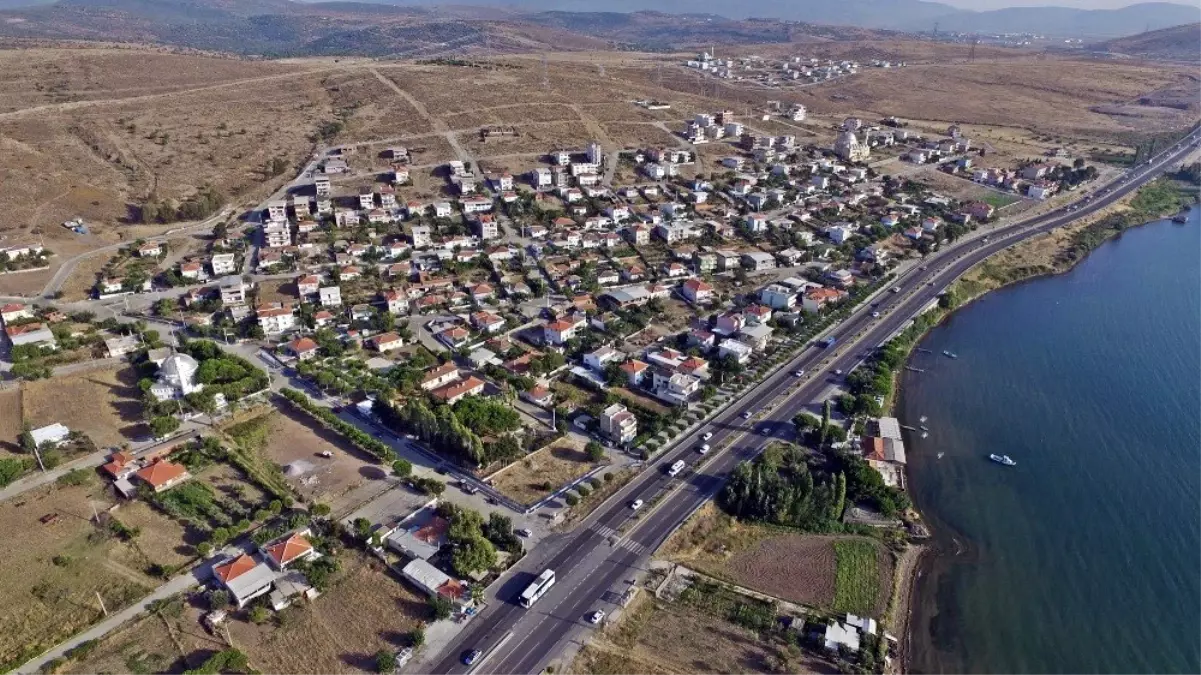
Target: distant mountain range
422 28
1178 43
903 15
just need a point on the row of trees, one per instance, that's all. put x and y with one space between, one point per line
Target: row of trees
779 488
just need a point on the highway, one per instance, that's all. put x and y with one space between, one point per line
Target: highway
601 557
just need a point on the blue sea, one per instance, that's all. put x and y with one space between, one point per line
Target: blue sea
1086 556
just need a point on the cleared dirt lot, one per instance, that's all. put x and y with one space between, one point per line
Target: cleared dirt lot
295 444
365 610
51 572
525 479
104 403
660 637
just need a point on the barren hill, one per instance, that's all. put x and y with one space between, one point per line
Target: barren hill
1178 43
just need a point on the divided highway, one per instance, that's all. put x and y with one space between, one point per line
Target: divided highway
601 557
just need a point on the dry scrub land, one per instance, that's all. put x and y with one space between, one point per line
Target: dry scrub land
562 462
366 609
104 403
50 573
656 637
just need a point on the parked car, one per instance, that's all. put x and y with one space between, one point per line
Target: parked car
596 617
525 532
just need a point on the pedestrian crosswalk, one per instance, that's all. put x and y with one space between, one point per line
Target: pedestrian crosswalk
615 539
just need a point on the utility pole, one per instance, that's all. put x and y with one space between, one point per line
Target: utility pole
101 601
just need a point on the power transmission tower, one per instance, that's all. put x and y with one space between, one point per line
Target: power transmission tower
971 55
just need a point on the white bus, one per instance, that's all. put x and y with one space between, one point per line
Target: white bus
537 588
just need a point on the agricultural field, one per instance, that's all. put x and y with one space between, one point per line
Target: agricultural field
364 610
658 637
49 583
533 477
831 572
105 404
857 583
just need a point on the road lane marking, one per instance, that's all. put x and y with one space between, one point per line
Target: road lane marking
491 652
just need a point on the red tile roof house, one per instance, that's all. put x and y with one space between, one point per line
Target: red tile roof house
245 577
303 348
163 475
15 311
451 393
635 371
697 291
443 374
539 396
284 552
454 337
386 342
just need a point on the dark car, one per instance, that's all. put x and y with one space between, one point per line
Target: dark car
470 656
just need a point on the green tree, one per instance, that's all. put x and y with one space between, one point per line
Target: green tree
475 555
596 451
442 607
417 637
402 468
218 599
163 425
385 661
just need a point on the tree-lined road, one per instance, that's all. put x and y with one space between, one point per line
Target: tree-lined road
613 545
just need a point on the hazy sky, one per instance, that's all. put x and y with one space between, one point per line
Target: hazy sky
1080 4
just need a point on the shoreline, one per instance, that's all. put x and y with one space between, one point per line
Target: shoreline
927 554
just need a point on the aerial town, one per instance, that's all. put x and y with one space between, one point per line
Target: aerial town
410 407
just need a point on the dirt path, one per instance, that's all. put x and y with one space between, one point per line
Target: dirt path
439 125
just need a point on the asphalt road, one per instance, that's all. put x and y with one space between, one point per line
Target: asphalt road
599 559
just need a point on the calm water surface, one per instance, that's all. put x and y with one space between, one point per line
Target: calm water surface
1086 556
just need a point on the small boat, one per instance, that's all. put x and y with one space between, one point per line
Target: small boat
1002 459
925 428
925 434
941 454
923 419
950 355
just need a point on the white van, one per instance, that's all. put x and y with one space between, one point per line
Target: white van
676 468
